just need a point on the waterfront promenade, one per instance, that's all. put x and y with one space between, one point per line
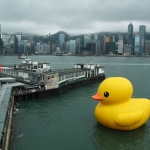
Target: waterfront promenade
6 114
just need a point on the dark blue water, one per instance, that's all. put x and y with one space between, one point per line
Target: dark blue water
67 121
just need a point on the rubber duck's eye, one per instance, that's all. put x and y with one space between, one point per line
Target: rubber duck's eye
106 94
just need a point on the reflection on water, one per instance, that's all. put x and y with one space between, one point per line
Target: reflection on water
114 139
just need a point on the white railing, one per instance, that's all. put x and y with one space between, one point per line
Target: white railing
73 78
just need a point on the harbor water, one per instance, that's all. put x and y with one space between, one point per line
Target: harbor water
67 121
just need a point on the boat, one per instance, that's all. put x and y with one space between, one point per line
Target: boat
146 55
21 57
29 65
40 81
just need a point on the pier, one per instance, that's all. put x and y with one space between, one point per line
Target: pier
40 81
22 92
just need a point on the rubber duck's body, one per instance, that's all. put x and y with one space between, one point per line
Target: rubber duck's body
117 110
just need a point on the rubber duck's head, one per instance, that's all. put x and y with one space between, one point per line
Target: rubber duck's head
114 90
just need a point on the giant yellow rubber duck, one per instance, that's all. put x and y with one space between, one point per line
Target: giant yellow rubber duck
116 109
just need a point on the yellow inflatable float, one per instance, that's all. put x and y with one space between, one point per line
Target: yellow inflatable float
116 109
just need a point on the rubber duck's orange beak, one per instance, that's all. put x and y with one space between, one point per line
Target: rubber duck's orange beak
97 97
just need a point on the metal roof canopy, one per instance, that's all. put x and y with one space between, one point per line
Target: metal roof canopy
64 71
7 79
29 87
96 65
26 64
59 72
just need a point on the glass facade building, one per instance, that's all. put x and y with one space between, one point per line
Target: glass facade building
17 41
21 48
142 32
18 37
137 44
102 43
112 47
72 46
78 45
107 48
61 42
66 47
142 45
87 38
9 42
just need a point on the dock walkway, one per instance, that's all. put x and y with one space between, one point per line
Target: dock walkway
6 111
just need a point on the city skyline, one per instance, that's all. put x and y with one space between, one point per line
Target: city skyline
73 17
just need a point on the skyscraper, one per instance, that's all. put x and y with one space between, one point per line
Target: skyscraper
137 44
32 45
102 43
142 32
78 45
61 41
130 38
107 40
8 43
87 38
120 46
17 42
72 46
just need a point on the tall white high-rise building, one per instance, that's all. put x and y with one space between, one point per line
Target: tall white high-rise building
120 46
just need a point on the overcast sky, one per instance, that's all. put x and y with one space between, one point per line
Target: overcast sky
73 16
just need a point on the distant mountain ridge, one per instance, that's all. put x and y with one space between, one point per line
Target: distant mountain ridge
54 37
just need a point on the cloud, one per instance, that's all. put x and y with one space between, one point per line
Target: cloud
73 16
